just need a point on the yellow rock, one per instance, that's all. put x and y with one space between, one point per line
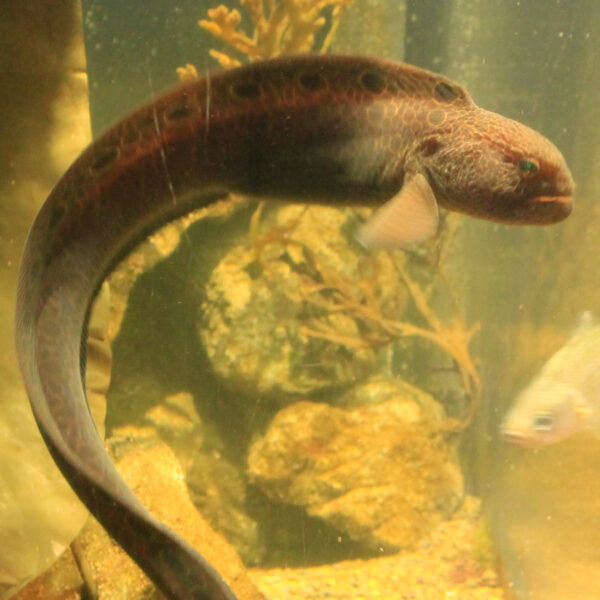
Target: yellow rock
157 479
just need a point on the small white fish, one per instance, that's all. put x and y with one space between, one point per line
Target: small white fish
564 397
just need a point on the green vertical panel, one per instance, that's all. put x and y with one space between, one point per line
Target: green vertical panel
537 62
372 27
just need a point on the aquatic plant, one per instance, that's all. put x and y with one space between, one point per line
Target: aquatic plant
330 292
279 27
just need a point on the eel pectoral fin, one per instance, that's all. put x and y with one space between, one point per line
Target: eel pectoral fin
410 217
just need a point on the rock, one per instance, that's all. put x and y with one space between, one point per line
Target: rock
442 566
214 483
274 320
157 479
384 474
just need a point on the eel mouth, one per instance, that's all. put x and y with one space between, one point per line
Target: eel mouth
550 200
537 210
551 209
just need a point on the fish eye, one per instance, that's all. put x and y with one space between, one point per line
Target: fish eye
543 421
528 166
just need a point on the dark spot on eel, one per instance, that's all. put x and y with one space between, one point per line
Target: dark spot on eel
430 146
178 113
104 160
130 137
372 82
147 121
444 92
246 89
312 81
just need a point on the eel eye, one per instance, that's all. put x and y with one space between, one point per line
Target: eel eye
528 166
543 421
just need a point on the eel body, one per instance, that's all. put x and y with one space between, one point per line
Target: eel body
327 129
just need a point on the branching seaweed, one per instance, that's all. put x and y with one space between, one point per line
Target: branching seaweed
279 27
330 292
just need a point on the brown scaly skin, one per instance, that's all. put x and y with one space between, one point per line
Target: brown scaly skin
336 130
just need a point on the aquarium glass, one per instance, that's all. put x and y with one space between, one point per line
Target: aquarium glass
339 419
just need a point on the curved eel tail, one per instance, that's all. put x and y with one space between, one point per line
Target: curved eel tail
49 336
